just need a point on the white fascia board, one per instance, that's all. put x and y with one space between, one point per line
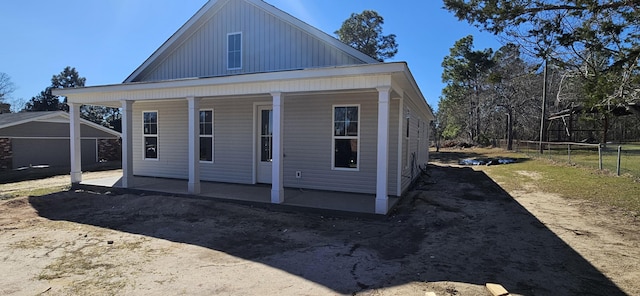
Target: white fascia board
333 72
422 100
180 35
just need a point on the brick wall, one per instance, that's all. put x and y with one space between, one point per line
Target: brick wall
6 154
109 149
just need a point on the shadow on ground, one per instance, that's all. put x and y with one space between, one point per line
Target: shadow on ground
457 226
46 171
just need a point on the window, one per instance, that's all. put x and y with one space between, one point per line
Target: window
266 135
234 51
150 131
346 132
206 135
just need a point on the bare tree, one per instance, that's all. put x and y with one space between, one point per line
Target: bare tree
6 87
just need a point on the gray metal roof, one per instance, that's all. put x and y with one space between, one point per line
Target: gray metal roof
13 118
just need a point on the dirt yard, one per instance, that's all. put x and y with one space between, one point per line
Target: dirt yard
455 232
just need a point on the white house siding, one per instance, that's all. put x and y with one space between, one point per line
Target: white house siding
268 44
308 131
233 134
418 153
393 147
172 140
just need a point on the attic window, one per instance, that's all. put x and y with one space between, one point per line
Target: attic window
234 51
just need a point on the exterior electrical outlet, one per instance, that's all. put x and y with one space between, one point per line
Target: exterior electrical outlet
298 174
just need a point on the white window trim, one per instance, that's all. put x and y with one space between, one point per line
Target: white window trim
334 137
213 142
157 135
227 51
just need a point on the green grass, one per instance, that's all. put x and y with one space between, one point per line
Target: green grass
34 192
588 157
569 181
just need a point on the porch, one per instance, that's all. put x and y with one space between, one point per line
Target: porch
161 137
247 193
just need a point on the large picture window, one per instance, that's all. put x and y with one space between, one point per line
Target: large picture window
234 51
346 131
150 132
206 135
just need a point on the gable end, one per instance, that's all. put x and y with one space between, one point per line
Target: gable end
271 40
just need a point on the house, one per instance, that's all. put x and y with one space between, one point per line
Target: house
245 93
42 138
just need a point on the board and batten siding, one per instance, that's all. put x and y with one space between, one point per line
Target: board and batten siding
268 44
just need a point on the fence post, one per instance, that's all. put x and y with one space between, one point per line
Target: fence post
569 152
619 154
600 156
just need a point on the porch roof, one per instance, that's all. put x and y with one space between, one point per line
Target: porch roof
343 78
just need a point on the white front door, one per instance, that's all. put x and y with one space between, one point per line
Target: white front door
265 143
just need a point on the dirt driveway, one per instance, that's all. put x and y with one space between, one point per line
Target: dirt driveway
457 231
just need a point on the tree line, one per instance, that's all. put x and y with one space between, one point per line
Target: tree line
588 49
46 101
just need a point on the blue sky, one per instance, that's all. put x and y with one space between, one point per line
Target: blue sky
107 40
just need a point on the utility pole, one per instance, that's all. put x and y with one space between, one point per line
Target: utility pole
544 105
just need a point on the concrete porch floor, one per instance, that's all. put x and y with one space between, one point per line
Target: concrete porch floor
260 193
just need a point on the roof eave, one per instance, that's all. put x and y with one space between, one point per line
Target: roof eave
363 69
41 117
172 39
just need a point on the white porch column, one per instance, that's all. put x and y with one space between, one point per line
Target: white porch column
127 144
277 188
194 145
382 199
75 143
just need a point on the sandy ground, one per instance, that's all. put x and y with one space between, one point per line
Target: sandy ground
61 180
455 232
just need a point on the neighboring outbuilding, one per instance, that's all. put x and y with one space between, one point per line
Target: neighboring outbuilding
42 139
245 93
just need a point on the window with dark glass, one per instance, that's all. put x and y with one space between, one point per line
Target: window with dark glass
206 135
150 131
266 135
234 51
345 136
